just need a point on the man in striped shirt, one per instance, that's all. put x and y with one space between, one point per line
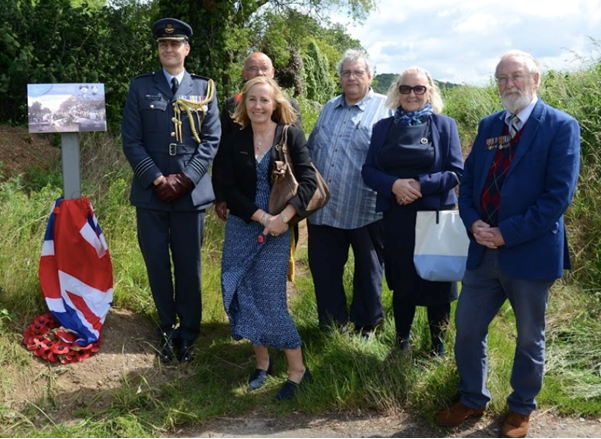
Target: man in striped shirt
338 146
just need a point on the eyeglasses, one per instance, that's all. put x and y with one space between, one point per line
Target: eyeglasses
418 89
348 73
255 69
516 78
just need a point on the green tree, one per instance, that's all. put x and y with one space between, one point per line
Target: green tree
222 34
298 43
320 86
383 81
75 41
71 44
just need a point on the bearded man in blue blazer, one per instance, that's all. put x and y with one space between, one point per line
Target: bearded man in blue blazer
518 181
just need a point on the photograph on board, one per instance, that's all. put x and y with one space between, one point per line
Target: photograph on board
66 108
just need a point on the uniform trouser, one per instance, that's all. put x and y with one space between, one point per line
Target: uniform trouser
166 237
484 290
328 249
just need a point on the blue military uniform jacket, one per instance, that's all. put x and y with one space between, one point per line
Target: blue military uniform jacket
151 146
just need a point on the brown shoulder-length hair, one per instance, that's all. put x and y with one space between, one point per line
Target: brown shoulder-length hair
283 111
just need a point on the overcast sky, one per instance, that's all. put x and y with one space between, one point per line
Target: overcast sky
460 41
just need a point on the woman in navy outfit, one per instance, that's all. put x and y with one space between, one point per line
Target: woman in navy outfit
414 163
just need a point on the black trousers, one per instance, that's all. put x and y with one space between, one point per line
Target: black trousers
328 249
438 321
170 243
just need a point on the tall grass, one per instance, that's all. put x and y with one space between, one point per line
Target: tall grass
350 373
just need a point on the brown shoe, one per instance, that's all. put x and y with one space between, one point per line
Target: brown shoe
516 425
455 415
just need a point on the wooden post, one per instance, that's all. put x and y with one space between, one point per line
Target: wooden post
71 165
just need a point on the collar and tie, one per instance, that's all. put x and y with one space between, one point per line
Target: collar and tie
490 198
174 85
514 125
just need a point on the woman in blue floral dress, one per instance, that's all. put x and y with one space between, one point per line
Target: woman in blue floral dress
257 243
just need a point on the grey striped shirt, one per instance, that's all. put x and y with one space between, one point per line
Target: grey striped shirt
338 146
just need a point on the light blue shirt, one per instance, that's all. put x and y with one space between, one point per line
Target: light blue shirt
179 77
338 146
522 115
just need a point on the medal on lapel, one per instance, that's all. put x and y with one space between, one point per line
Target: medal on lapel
499 142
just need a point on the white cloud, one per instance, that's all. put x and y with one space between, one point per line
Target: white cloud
461 40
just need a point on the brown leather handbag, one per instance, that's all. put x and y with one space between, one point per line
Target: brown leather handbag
284 184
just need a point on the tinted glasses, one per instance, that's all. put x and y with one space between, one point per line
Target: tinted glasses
407 89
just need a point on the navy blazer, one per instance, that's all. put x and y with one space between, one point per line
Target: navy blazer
437 186
149 141
538 188
240 170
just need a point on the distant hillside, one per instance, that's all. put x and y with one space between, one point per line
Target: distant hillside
382 82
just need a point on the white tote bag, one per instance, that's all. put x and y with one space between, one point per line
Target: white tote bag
441 244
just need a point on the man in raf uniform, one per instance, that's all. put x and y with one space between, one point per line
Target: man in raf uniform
171 132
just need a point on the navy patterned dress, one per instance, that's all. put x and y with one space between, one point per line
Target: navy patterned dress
253 277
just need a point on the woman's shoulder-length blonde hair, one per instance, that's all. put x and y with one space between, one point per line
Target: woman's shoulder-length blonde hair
393 97
283 111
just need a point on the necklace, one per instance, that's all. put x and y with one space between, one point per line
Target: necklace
265 137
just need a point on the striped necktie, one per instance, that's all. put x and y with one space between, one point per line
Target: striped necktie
174 85
514 126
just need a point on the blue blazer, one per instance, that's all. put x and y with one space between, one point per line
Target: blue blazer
437 185
538 189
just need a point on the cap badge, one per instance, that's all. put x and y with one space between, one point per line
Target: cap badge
169 29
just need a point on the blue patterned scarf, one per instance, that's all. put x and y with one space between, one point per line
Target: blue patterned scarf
409 118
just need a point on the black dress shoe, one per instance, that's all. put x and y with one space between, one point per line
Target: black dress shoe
166 350
185 351
259 377
366 331
402 344
290 388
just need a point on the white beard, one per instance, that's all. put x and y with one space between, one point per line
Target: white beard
515 100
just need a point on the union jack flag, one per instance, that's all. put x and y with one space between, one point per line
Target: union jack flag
76 272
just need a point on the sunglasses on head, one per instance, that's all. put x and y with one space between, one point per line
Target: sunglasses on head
407 89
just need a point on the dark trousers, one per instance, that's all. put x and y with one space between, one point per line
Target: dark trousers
166 237
438 321
328 253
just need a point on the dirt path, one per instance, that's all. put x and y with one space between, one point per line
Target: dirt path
376 425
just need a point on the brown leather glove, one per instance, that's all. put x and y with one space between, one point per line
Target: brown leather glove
164 191
180 184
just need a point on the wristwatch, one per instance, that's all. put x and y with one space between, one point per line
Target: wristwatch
284 218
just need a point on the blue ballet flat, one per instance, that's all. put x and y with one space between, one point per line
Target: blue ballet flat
290 388
259 377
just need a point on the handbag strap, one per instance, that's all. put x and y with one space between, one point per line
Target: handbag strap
282 148
283 142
